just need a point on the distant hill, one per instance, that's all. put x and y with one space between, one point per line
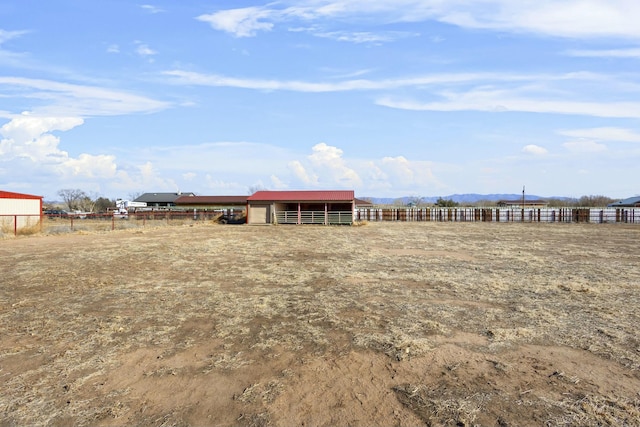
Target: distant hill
459 198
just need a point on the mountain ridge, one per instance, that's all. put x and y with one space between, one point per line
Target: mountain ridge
459 198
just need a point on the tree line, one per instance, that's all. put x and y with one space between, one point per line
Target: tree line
593 201
74 199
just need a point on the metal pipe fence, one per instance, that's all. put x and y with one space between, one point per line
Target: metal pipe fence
67 222
314 217
60 223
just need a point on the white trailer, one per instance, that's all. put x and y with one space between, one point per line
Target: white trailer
123 206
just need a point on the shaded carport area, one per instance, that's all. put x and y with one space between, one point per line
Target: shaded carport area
229 209
301 207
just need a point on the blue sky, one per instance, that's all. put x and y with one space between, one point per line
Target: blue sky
387 97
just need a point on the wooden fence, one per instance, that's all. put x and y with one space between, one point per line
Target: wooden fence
461 214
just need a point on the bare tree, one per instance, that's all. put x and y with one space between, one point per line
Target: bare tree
72 197
415 201
595 201
255 188
135 195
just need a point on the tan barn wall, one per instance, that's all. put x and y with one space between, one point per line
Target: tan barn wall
28 211
259 214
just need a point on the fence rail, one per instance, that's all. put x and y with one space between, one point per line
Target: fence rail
59 223
314 217
550 215
31 224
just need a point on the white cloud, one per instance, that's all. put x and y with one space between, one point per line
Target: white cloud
399 167
8 35
365 36
151 8
113 48
505 101
278 184
245 22
144 50
301 173
29 142
327 167
570 18
26 127
424 81
65 99
536 150
489 92
329 159
607 53
89 166
584 147
604 134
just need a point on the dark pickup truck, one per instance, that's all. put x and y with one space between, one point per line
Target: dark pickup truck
232 219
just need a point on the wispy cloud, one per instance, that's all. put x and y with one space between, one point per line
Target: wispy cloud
488 92
144 50
244 22
603 134
8 35
536 150
584 146
365 36
633 53
113 48
68 100
190 77
151 8
487 101
570 18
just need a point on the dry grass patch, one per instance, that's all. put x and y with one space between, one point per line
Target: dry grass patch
389 323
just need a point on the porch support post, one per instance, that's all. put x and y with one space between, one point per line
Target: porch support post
299 215
326 214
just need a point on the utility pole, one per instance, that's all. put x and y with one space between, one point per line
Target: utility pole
523 203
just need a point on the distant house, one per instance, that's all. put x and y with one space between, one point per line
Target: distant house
362 204
631 202
301 207
157 200
520 204
18 210
212 202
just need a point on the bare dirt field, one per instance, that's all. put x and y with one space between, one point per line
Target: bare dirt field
384 324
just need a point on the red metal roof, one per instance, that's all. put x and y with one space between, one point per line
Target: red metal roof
303 196
211 200
12 195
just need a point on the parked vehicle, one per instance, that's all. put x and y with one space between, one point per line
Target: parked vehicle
78 214
232 219
56 213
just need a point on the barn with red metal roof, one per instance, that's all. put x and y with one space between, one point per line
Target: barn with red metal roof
301 207
18 210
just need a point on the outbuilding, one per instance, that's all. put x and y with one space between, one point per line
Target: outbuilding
230 208
301 207
631 202
18 210
212 202
161 200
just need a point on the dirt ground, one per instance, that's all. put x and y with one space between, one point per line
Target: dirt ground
401 324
